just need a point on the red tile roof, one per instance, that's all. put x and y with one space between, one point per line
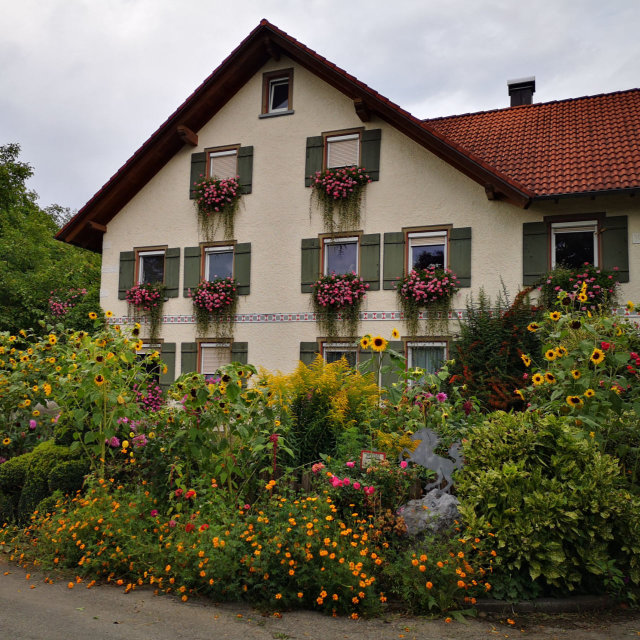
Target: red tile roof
583 145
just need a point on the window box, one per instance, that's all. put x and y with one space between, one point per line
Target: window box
147 266
147 301
215 302
222 260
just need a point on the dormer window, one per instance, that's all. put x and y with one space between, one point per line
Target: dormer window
277 93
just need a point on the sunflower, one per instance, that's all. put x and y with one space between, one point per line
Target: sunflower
519 393
589 393
395 334
526 359
365 342
138 345
574 401
537 379
533 327
555 316
100 358
575 324
619 332
597 356
52 339
92 315
550 354
561 351
549 377
6 442
99 380
378 344
630 305
108 314
576 374
582 297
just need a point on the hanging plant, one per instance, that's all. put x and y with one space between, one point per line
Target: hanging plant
215 302
339 193
336 297
217 200
431 289
146 301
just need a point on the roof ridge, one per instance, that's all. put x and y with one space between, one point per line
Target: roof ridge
529 106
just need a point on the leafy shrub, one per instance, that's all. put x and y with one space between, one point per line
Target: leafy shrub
555 503
68 476
13 474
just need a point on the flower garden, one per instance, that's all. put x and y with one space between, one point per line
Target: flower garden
251 487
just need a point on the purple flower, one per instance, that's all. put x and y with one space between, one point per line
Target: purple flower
32 424
154 513
441 397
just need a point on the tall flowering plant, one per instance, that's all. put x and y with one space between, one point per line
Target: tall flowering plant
338 295
146 300
339 193
215 300
430 289
61 302
217 200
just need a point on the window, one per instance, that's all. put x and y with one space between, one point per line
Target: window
150 365
151 266
340 255
218 262
276 92
223 164
574 243
427 249
343 150
212 356
334 351
426 355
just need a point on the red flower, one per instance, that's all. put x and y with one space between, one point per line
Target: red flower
190 494
178 493
190 527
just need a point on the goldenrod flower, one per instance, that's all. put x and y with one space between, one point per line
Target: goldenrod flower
597 356
378 344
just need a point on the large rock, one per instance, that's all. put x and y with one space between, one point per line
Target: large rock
435 512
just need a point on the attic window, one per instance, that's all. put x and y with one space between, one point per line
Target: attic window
277 93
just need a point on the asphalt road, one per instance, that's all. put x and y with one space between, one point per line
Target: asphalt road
33 610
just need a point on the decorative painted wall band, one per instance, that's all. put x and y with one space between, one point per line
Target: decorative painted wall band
282 318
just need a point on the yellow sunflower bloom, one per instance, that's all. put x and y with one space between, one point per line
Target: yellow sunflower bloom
550 354
574 401
630 305
99 380
519 393
533 327
597 356
395 334
6 442
555 316
108 314
378 344
549 377
589 393
92 315
561 351
582 297
365 342
525 359
52 339
537 379
576 374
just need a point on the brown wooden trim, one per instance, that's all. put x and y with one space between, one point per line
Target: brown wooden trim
272 49
362 110
276 75
209 150
323 236
187 136
423 229
96 226
217 243
140 250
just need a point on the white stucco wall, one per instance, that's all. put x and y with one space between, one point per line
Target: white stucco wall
415 189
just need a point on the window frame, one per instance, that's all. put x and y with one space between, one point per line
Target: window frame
419 342
329 239
430 233
343 133
268 79
593 223
339 347
214 247
220 151
149 251
210 343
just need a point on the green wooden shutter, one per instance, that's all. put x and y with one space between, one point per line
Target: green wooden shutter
172 272
168 357
308 352
245 168
242 267
393 265
315 158
188 357
535 251
310 263
240 352
370 260
390 377
127 271
460 254
198 168
192 262
371 152
364 355
615 246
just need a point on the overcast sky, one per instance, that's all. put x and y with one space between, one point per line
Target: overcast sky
83 83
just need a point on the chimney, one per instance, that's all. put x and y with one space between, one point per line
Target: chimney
521 90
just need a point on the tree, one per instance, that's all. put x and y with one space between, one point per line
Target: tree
33 264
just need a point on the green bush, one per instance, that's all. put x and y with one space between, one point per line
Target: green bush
13 474
556 504
68 476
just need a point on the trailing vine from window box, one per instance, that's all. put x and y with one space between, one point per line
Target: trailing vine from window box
215 302
339 193
338 297
217 200
431 289
585 288
146 301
